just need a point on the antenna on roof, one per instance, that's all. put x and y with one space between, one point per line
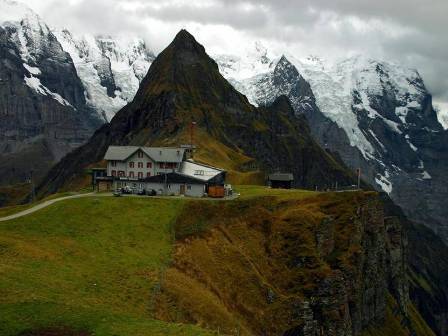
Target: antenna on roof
192 126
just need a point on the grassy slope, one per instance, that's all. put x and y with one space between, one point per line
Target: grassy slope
13 209
93 264
88 264
13 194
230 256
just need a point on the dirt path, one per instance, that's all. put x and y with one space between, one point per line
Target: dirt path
50 202
41 206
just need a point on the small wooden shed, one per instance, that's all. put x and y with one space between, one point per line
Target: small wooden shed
281 180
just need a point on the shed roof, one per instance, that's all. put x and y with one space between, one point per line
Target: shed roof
199 171
281 177
173 178
158 154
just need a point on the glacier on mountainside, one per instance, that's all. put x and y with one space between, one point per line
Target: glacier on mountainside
349 92
110 68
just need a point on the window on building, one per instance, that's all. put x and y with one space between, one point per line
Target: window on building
131 164
148 164
140 175
114 173
131 174
162 165
169 165
188 187
113 163
121 173
140 164
140 154
148 174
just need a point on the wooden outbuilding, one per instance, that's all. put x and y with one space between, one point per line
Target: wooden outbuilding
281 180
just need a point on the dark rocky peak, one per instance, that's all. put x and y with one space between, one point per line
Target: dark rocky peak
184 71
285 66
185 40
186 50
282 104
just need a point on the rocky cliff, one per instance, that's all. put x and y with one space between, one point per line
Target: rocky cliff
43 111
328 264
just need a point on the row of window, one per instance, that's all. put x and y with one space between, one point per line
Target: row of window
121 173
162 165
140 164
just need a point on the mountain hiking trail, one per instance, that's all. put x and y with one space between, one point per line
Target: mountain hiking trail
91 194
42 206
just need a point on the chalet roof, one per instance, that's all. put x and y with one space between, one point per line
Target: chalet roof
158 154
173 178
199 171
281 177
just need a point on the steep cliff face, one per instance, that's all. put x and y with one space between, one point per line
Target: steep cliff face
315 265
43 111
427 270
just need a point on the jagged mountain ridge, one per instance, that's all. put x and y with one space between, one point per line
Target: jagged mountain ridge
376 115
183 85
110 68
44 114
56 89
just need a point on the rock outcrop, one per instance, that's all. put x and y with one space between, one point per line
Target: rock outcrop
329 264
43 111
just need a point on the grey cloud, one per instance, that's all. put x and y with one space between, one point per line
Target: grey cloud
409 31
218 14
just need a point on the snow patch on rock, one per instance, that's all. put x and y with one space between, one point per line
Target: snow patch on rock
35 84
383 182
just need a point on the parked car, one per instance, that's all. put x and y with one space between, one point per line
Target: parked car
141 192
151 192
126 190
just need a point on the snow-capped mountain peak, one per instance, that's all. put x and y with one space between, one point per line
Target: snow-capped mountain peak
111 68
13 12
34 41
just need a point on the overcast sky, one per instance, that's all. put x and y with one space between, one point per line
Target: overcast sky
412 32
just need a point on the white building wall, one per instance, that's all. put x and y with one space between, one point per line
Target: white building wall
144 161
192 190
155 169
119 166
196 190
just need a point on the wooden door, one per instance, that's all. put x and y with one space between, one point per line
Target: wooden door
182 189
